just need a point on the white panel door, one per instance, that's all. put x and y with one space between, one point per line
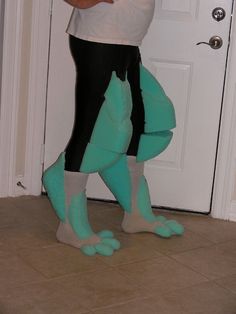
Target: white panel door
192 76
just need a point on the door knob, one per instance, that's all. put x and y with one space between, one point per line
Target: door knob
218 14
215 42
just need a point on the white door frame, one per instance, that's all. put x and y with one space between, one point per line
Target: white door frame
222 205
12 47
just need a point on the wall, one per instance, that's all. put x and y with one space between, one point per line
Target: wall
225 188
23 89
231 86
2 2
234 191
15 105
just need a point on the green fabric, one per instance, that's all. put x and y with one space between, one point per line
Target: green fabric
78 218
118 180
159 114
110 134
113 243
96 159
103 249
159 117
163 231
105 234
88 250
53 181
113 128
153 144
175 227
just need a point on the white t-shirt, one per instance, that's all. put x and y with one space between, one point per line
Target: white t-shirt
123 22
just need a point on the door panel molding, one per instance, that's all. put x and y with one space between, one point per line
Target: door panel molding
177 9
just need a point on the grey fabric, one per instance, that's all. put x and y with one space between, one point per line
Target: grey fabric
75 183
136 171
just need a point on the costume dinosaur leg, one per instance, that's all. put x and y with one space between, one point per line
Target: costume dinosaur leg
125 178
126 181
66 189
69 201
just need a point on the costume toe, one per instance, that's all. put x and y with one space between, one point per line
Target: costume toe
161 218
104 249
105 234
115 244
163 231
88 250
176 227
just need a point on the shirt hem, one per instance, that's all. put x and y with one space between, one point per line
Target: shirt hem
105 40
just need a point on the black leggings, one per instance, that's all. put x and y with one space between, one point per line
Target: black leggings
94 65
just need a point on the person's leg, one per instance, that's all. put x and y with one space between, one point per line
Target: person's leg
138 114
126 179
93 73
66 191
102 127
65 181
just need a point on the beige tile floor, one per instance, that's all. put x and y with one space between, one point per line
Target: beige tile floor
193 274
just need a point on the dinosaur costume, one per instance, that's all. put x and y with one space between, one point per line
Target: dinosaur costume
122 119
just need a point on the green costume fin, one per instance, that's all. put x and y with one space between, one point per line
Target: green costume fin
159 110
152 144
159 117
113 129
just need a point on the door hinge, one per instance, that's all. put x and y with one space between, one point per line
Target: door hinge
51 7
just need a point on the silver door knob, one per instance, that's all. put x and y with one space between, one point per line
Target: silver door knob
215 42
218 14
